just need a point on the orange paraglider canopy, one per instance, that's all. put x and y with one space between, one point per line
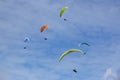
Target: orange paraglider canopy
43 27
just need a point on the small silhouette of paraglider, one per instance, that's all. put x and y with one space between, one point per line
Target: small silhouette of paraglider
42 28
26 40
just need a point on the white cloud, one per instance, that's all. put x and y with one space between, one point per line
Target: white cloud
110 75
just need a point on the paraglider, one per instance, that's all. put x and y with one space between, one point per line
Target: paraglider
83 46
26 40
43 27
69 51
74 70
63 9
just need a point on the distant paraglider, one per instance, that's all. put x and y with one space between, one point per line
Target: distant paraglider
26 40
63 9
43 27
69 51
83 45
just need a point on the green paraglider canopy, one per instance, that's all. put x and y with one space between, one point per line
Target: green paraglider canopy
63 9
69 51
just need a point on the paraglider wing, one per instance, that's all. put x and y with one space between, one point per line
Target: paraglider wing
63 10
43 27
69 51
26 39
85 44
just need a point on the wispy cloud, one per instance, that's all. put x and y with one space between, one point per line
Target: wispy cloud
111 75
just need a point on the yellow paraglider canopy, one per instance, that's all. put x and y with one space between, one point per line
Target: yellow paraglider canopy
69 51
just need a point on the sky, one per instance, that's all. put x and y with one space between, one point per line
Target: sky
95 22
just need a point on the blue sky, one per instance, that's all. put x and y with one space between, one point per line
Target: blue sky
93 21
